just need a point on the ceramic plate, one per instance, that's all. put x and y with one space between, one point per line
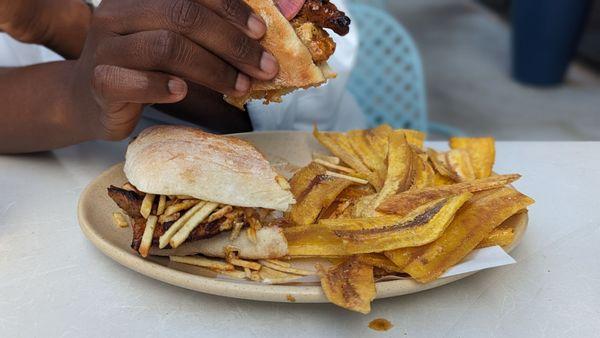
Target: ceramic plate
282 149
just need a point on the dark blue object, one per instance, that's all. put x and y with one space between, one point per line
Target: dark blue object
545 37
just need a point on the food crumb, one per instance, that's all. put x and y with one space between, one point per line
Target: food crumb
380 324
291 298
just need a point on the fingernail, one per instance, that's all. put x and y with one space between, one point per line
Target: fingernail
242 84
177 87
268 63
256 25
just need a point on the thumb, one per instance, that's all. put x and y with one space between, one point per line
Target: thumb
290 8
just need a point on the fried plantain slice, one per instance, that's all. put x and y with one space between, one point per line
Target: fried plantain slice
303 178
379 260
424 176
320 194
339 237
350 285
481 150
339 145
400 172
459 162
502 236
374 161
472 224
438 161
405 202
414 137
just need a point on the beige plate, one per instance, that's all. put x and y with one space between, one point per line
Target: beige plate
95 217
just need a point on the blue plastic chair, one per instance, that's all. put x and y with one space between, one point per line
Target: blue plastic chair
388 80
375 3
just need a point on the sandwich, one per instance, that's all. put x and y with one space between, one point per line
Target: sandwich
191 192
297 38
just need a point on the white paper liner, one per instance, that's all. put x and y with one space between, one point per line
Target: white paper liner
479 259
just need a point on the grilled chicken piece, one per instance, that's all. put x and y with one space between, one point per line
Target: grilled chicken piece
325 15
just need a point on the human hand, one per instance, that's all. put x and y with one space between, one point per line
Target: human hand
141 51
60 25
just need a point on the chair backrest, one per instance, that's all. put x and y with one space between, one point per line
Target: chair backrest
388 80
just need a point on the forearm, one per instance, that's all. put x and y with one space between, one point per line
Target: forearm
207 108
37 111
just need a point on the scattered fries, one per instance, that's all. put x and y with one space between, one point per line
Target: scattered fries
146 208
147 237
162 201
183 205
119 220
334 166
182 234
285 269
204 262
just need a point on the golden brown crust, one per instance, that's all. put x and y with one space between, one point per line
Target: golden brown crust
296 67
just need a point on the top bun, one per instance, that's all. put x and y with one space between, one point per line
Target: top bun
177 160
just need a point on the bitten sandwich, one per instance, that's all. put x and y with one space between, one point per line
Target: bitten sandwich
191 192
297 38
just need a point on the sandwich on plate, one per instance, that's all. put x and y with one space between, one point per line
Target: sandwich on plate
297 38
190 192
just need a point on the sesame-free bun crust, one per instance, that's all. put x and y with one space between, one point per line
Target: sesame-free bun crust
177 160
296 67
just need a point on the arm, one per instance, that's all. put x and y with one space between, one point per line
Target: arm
60 25
32 121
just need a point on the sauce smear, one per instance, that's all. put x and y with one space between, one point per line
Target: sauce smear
380 324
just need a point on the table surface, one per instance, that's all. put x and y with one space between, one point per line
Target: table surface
56 283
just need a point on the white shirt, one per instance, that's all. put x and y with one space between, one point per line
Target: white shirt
330 106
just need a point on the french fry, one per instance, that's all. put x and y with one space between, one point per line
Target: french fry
237 227
334 166
243 263
204 262
285 269
251 232
481 150
146 207
405 202
340 237
327 158
346 177
180 206
237 274
350 285
160 209
166 237
278 262
182 234
471 225
119 220
185 197
219 213
171 218
147 236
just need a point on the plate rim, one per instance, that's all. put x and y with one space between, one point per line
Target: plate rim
250 291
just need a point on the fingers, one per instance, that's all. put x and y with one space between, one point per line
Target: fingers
213 24
239 14
171 53
113 86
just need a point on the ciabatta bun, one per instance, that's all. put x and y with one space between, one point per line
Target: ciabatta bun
177 160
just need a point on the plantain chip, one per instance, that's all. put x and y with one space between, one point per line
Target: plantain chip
379 139
438 161
414 137
459 162
472 224
400 172
439 179
350 285
424 176
339 237
303 178
481 150
345 201
339 145
374 161
404 202
502 236
320 194
379 260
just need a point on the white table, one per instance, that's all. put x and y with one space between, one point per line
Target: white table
53 282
